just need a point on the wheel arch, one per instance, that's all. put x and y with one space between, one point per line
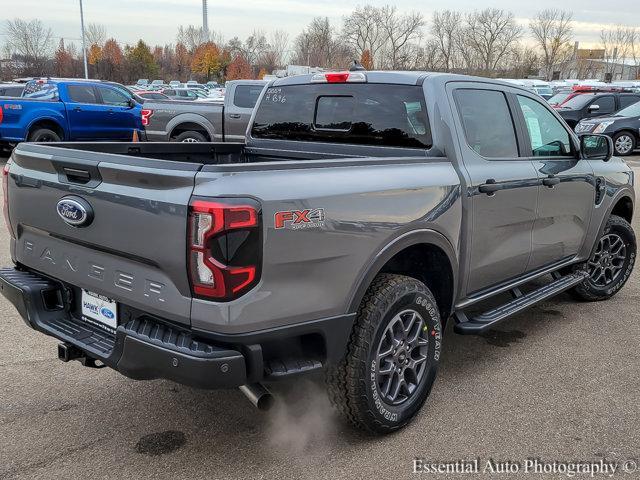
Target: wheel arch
186 122
623 207
46 122
415 254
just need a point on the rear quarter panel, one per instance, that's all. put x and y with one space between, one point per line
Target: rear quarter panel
170 114
312 273
20 114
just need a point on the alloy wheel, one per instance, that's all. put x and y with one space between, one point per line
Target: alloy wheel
401 357
607 262
624 144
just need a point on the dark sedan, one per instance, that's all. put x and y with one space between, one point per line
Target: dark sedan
623 127
590 105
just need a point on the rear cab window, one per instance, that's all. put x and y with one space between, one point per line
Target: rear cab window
246 96
41 90
358 114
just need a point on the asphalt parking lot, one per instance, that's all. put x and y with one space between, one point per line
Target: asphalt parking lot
558 382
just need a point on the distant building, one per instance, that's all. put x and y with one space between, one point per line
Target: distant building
582 68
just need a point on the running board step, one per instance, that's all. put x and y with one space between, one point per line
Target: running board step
484 321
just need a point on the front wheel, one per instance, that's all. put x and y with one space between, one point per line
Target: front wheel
611 262
392 356
624 143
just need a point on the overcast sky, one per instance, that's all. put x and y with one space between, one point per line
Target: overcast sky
156 21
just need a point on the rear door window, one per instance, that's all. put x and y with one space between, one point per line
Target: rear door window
626 100
246 96
82 94
358 114
488 126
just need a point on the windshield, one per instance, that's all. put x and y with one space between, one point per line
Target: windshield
578 101
362 114
544 90
632 110
558 98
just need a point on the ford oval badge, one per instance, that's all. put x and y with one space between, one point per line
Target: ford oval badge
75 211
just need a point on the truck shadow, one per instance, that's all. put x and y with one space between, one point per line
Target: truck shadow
303 424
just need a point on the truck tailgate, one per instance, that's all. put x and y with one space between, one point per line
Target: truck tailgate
133 250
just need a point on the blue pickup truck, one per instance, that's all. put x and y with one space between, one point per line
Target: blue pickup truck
52 110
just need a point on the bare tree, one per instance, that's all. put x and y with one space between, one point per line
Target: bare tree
618 43
192 37
30 41
402 32
363 31
273 56
95 34
316 46
552 31
445 28
491 33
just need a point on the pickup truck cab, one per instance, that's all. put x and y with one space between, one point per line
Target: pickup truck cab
365 210
77 110
225 121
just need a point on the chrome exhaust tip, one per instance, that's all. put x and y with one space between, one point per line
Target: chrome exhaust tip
258 395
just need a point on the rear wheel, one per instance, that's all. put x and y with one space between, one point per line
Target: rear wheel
624 143
392 356
611 262
44 135
191 137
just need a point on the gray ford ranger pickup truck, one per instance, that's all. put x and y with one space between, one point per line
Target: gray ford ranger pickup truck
365 210
203 121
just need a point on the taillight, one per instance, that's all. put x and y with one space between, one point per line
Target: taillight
5 195
145 114
1 114
224 247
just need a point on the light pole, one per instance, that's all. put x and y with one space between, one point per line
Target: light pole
84 48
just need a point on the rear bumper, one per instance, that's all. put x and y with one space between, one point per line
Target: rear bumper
142 348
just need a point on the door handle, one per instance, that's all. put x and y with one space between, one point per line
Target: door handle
551 181
77 109
490 187
234 115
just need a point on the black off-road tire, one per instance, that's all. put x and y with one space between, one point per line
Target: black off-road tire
190 136
591 292
44 135
353 383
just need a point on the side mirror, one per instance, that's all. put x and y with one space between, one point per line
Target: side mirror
596 147
594 108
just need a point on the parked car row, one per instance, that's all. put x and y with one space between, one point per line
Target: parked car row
53 110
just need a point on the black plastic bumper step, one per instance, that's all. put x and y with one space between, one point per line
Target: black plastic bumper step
484 321
289 366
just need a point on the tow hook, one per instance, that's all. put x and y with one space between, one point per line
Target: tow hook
67 352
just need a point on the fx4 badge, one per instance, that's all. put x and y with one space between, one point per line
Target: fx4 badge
299 219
